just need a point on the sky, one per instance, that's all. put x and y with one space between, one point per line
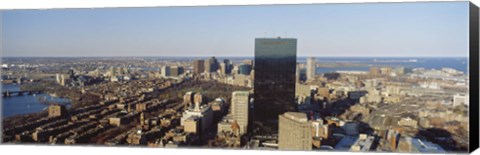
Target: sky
323 30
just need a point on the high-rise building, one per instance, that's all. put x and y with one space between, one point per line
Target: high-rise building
274 83
62 80
208 65
215 65
223 68
228 66
295 132
311 68
176 70
244 69
211 65
198 66
188 98
240 104
165 71
234 70
57 78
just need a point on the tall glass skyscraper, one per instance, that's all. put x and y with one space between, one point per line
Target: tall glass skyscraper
274 83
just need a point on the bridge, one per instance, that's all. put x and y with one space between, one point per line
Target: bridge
18 93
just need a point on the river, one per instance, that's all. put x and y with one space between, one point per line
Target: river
17 105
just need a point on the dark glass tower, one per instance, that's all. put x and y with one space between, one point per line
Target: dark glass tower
274 83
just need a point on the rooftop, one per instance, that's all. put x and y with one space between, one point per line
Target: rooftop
424 146
363 143
346 143
298 116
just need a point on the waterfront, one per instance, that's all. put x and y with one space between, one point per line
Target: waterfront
460 64
26 104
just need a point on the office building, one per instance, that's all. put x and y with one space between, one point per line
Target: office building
188 99
208 65
294 132
274 83
228 66
165 71
62 80
176 71
223 68
211 65
244 69
203 117
57 78
198 66
311 68
240 100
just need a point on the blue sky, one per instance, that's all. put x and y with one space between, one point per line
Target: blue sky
369 29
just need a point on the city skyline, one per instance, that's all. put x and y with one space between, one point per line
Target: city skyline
272 106
324 30
128 77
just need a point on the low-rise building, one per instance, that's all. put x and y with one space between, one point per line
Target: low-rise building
204 112
408 122
460 99
57 110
